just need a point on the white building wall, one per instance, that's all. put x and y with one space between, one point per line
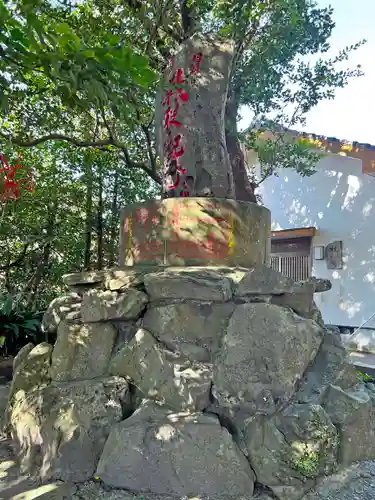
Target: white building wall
339 200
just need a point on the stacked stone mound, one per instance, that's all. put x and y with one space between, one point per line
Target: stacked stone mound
207 382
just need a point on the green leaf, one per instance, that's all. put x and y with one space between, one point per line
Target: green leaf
19 36
8 305
89 53
113 39
16 330
63 29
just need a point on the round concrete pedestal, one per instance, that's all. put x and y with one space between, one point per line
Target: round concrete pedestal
194 232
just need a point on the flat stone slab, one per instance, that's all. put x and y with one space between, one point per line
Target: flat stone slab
121 278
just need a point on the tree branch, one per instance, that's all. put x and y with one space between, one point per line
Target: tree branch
84 144
154 175
146 131
19 260
57 137
157 25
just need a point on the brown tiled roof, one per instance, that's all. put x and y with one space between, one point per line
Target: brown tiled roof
362 151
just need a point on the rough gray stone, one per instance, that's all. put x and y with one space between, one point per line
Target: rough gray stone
32 371
333 329
82 351
299 298
22 355
265 351
60 309
61 430
351 410
320 284
163 375
206 157
315 315
263 280
346 484
105 305
194 329
289 451
331 366
84 278
190 284
125 332
121 279
160 452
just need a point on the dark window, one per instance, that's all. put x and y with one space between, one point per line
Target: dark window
292 257
299 246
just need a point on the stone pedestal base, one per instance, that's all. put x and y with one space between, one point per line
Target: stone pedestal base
194 231
189 381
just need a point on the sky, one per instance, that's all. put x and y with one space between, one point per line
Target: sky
351 115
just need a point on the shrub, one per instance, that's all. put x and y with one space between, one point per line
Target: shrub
365 377
18 328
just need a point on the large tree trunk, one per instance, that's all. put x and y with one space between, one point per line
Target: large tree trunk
242 185
44 261
88 230
114 221
100 249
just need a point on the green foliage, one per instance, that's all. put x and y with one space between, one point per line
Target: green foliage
18 328
281 151
309 458
308 463
44 48
43 235
365 377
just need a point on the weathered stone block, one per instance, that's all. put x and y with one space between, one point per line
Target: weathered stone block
61 430
299 297
125 332
194 329
188 283
262 280
330 366
167 453
82 351
194 232
84 278
320 284
289 451
315 315
22 355
59 309
105 305
121 279
265 351
31 370
351 410
190 127
162 375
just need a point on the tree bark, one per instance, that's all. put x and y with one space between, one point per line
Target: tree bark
99 220
114 220
44 262
242 186
88 230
